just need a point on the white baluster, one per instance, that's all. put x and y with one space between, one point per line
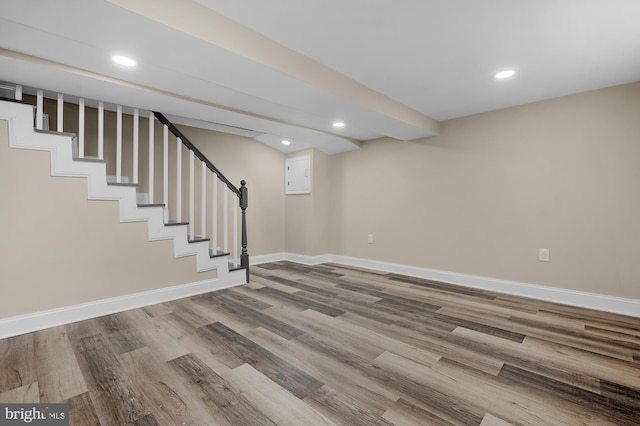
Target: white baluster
18 92
165 172
192 215
136 136
119 144
214 220
60 113
39 106
235 233
101 130
81 127
225 220
179 179
151 155
203 199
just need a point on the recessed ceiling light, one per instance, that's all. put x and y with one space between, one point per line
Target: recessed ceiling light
505 74
338 124
123 60
286 142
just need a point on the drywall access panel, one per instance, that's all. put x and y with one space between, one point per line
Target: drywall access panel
298 175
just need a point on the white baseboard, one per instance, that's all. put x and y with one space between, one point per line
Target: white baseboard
28 323
40 320
310 260
266 258
581 299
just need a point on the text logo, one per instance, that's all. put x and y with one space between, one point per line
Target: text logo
34 414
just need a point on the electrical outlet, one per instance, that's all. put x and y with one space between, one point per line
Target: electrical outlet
543 255
370 238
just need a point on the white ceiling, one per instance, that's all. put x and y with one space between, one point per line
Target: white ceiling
423 59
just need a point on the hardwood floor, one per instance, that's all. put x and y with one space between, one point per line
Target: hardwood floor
330 345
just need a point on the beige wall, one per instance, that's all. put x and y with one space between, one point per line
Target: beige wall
307 215
491 189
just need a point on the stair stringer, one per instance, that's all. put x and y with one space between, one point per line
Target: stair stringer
61 148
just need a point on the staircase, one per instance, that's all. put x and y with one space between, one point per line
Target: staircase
210 246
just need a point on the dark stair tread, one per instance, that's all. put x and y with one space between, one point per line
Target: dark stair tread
235 268
198 239
89 160
151 205
217 253
122 184
16 101
54 132
174 223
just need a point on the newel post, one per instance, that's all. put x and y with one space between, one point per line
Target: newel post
244 203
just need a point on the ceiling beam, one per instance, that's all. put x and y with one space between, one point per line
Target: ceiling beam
201 22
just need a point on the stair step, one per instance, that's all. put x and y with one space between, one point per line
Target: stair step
53 132
90 160
235 268
133 185
174 223
151 205
2 98
198 239
217 253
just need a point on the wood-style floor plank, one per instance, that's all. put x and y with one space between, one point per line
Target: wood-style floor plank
17 361
448 405
58 372
490 420
269 398
258 318
335 345
403 413
350 383
114 396
343 409
226 404
122 336
81 410
301 301
24 394
280 371
161 391
154 332
533 358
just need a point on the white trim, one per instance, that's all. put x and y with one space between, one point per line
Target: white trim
266 258
309 260
581 299
28 323
291 257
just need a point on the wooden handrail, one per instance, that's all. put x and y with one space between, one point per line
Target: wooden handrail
186 142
